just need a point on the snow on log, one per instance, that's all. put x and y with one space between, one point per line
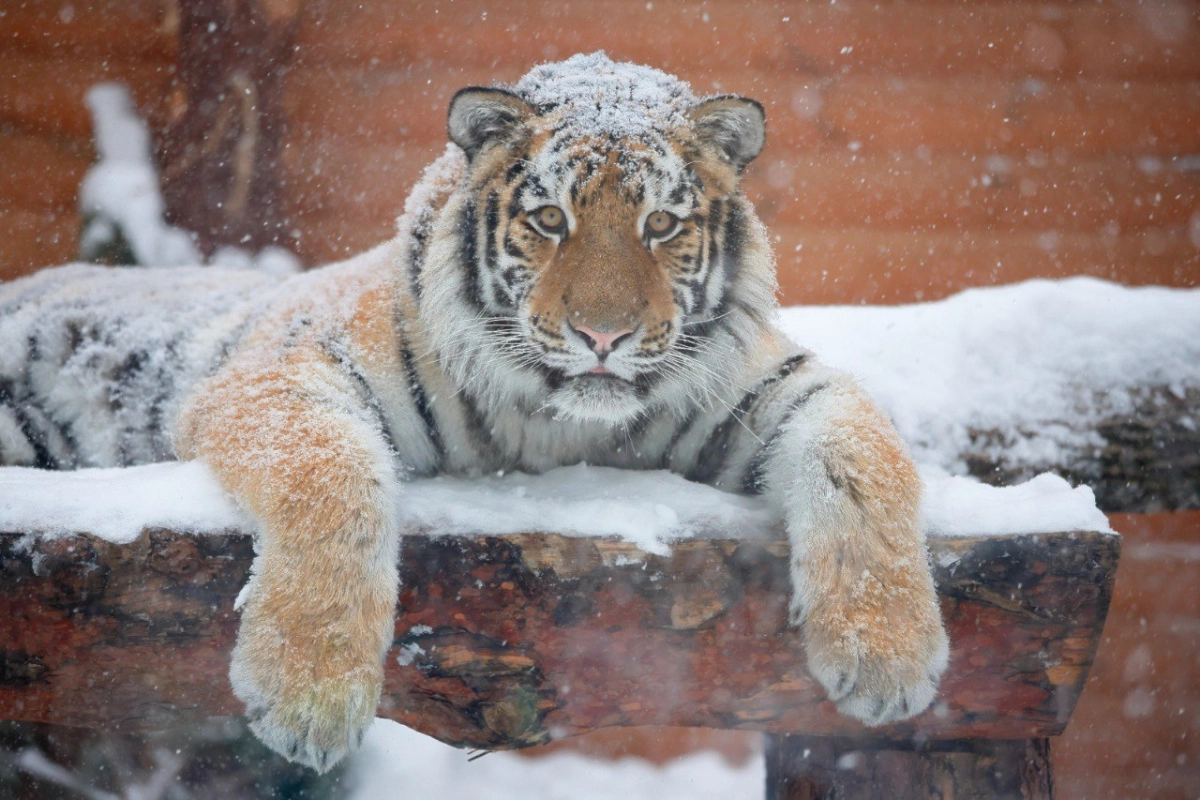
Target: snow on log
510 640
1096 382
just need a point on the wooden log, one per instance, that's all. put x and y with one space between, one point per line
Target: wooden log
1150 460
808 767
510 641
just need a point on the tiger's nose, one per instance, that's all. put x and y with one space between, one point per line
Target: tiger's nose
602 342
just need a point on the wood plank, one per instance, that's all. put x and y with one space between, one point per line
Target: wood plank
502 640
511 36
32 239
43 95
721 37
975 115
42 173
961 193
112 28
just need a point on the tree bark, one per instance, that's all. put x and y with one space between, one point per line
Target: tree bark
509 641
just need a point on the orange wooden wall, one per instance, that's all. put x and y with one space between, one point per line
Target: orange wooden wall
915 148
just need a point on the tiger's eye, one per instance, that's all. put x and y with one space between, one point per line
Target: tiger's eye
550 217
660 223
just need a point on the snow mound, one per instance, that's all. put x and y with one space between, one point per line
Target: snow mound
1016 362
648 509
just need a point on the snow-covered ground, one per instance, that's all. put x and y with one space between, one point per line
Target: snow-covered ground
397 762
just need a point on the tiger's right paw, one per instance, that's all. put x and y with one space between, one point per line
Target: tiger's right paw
313 714
320 724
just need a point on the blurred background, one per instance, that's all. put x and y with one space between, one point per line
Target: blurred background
915 149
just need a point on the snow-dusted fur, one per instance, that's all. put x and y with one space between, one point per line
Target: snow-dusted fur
577 279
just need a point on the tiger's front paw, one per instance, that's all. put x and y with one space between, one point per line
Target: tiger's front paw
319 725
312 714
880 651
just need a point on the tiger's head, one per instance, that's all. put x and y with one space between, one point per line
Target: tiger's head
601 245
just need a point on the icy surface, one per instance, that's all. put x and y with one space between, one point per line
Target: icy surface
1016 360
393 756
645 508
601 97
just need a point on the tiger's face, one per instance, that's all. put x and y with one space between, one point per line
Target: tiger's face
601 255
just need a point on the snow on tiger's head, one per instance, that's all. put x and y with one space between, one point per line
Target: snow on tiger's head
599 238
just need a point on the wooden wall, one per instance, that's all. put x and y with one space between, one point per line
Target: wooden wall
915 148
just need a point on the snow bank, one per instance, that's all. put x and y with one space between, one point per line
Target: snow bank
648 509
122 188
956 506
117 504
1019 360
393 756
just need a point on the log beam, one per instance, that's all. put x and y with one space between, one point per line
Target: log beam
509 641
811 767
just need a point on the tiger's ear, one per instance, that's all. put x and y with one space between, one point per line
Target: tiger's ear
735 126
480 116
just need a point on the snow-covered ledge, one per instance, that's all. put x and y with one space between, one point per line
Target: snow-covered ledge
654 601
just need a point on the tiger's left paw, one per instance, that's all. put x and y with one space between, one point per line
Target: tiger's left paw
879 661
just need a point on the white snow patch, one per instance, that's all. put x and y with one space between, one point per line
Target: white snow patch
601 97
117 504
123 186
646 508
1015 360
393 756
1047 504
649 509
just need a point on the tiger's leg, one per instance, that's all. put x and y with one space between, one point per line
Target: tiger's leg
862 587
296 449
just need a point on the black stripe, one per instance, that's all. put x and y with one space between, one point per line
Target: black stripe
42 457
337 351
514 200
713 453
479 431
468 255
755 479
230 343
422 403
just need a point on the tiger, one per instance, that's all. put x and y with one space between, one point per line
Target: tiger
579 277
